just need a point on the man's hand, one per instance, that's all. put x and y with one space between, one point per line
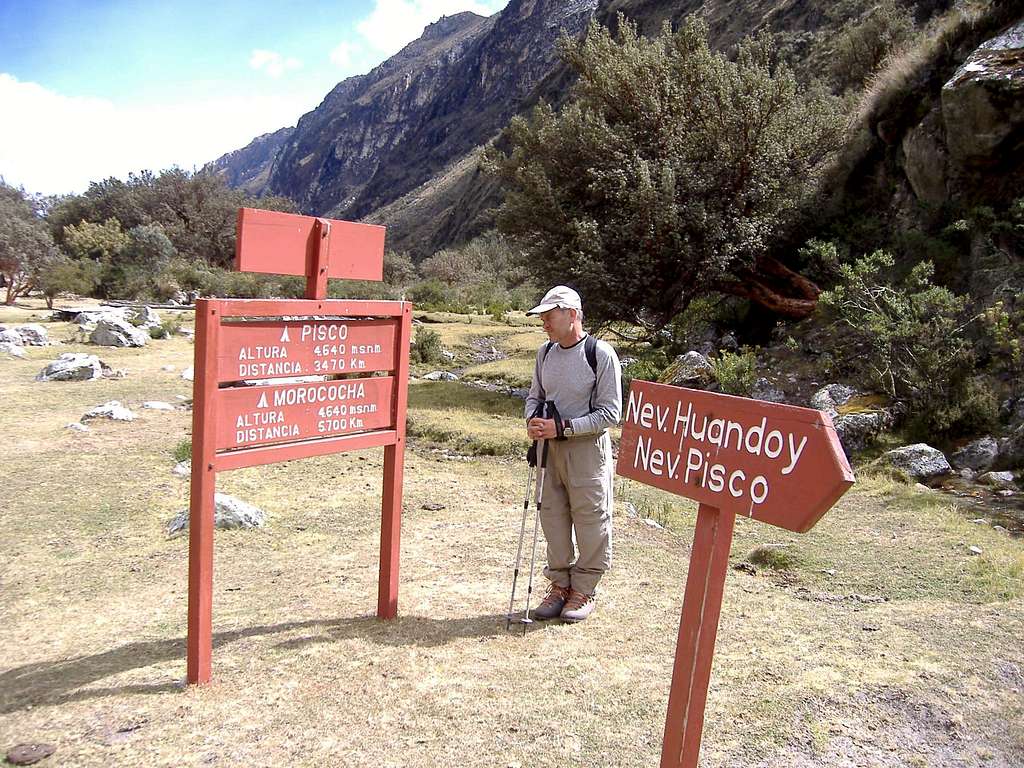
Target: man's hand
541 429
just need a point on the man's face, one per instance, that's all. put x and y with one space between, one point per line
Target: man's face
557 322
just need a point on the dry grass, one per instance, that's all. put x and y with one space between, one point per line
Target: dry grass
93 616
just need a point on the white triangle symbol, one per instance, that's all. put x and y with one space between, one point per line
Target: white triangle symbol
263 401
284 334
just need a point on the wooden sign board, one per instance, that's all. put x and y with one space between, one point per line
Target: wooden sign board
286 244
249 410
263 350
775 463
250 416
779 464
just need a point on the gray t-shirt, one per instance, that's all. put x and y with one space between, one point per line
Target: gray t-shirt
593 403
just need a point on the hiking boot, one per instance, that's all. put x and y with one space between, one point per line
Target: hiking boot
578 606
551 606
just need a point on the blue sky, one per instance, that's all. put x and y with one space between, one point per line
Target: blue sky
97 89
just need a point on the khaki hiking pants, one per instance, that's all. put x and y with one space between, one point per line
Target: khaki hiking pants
578 490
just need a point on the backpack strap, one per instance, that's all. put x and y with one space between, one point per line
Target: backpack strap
543 357
590 350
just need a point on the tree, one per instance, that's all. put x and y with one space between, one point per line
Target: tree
25 244
197 211
667 175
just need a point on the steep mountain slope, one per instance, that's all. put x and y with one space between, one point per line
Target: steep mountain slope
378 136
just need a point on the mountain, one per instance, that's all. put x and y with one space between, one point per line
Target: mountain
400 145
377 137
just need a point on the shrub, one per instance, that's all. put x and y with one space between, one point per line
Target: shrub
909 339
428 345
736 372
183 451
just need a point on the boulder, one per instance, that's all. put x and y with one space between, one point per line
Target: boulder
229 512
856 431
830 397
1011 450
925 160
1002 480
116 332
765 390
441 376
983 103
145 318
110 410
12 349
157 405
10 336
88 319
919 461
978 455
690 370
26 335
74 366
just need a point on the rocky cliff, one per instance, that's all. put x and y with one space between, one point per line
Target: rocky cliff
400 145
378 136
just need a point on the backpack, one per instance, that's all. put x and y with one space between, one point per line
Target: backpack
589 349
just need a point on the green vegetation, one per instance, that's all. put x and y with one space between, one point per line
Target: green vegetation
26 248
666 175
736 372
911 340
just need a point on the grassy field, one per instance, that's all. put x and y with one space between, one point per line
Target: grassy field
877 639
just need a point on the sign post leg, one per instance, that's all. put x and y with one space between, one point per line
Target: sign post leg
201 498
698 627
394 465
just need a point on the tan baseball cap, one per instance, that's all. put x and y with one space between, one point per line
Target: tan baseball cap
562 297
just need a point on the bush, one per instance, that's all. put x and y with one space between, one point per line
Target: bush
736 373
909 339
428 345
168 327
183 451
863 44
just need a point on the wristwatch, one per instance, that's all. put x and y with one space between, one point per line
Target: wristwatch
567 428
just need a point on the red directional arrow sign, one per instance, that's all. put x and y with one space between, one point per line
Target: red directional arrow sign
775 463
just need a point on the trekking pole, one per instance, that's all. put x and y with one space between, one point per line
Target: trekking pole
542 465
531 460
519 548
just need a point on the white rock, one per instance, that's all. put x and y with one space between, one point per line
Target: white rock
12 349
974 550
145 317
920 461
110 410
156 405
77 426
167 368
188 374
653 523
182 469
115 332
26 335
441 376
73 366
229 512
1002 480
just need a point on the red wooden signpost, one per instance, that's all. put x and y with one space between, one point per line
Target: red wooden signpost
779 464
244 416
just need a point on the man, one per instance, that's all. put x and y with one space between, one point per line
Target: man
583 377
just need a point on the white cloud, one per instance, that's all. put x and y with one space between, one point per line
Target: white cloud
53 143
272 62
394 23
342 55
